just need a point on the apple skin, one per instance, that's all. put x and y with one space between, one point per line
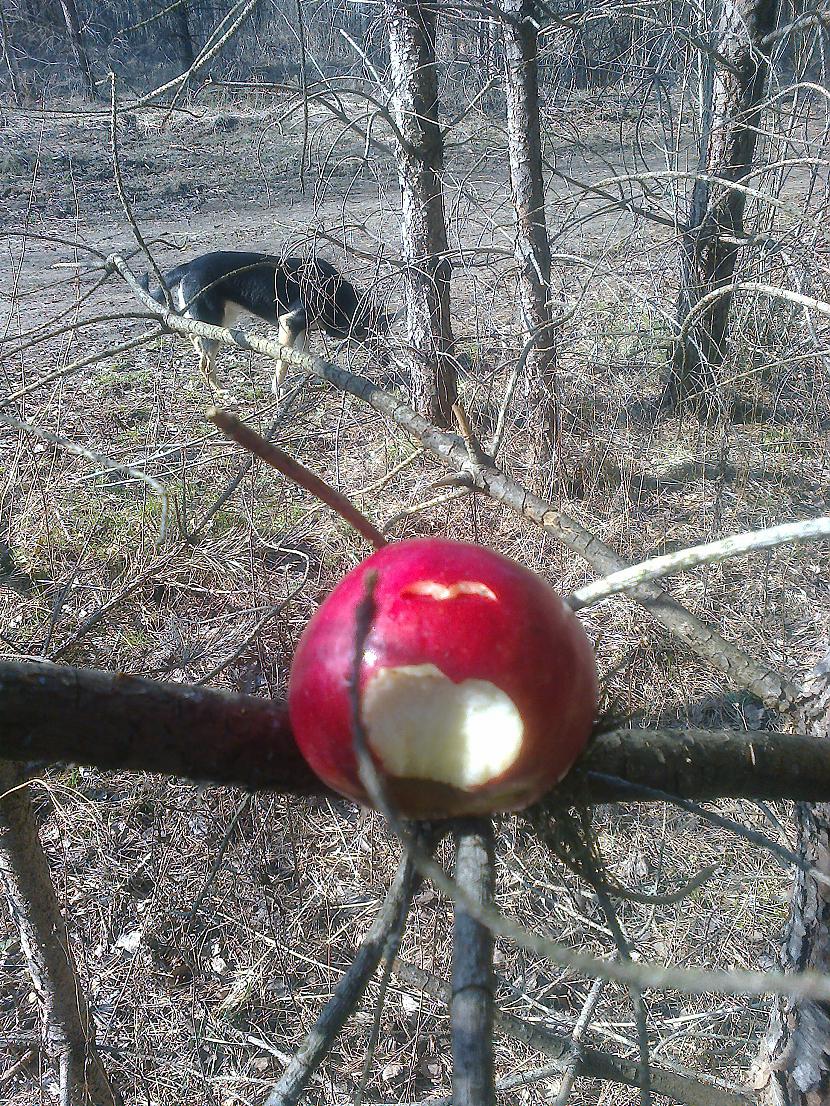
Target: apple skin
517 634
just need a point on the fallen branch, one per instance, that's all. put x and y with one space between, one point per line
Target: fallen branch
52 713
588 1063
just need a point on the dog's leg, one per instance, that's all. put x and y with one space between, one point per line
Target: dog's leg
207 351
205 368
292 334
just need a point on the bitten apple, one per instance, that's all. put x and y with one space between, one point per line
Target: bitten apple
478 684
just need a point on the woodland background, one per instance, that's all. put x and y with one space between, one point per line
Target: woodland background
682 151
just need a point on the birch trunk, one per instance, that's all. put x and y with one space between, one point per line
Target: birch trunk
708 260
412 33
532 248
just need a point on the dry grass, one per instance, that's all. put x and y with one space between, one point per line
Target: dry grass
207 1007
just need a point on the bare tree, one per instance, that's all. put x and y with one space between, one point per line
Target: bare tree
711 241
73 29
532 249
9 57
420 150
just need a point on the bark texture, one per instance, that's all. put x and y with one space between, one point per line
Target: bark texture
708 254
383 937
420 150
51 712
471 1009
793 1068
184 39
532 248
76 41
25 878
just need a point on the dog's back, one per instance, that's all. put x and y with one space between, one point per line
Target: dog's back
225 282
295 293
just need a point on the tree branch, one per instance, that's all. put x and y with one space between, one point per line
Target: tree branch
117 722
471 1008
388 923
588 1063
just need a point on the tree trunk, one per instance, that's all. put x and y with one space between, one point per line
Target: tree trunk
9 57
532 247
412 30
793 1068
184 40
707 261
73 28
26 880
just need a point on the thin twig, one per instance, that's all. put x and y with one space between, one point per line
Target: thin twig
277 458
583 1021
391 916
74 366
241 809
122 193
425 505
787 856
99 459
790 533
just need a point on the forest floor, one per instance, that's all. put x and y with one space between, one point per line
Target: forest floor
207 1006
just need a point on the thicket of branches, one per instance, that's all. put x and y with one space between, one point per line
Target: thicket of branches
737 98
588 46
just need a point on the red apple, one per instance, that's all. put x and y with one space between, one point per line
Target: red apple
478 683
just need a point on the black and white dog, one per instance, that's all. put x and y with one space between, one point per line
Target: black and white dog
293 292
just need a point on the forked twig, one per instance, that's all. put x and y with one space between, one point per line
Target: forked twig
582 1023
349 990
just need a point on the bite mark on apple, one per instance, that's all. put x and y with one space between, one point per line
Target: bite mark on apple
433 590
423 726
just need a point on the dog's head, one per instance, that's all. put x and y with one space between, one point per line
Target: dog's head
370 321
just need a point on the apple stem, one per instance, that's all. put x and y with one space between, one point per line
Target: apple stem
272 455
471 1008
